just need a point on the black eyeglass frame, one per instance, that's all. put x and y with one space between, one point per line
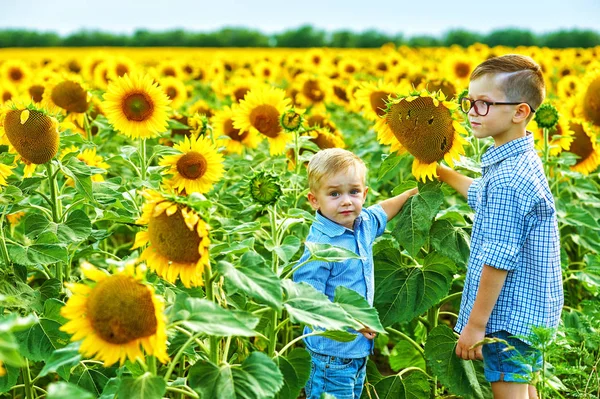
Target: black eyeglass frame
488 103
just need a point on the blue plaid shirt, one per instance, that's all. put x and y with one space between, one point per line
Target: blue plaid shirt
515 229
356 274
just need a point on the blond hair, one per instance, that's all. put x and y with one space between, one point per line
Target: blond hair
331 161
523 80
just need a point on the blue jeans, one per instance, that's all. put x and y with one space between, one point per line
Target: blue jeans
341 377
513 365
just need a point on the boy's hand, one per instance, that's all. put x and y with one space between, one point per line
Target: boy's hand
470 336
368 333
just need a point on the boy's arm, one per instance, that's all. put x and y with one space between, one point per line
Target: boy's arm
456 180
392 206
490 285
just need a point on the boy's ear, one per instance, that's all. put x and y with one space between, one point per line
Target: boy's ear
314 202
365 194
522 113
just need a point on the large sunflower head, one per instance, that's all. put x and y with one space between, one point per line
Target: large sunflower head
260 111
589 99
234 140
116 316
136 106
585 146
425 125
178 239
197 168
32 132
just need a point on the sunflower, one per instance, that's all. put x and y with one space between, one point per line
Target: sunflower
5 171
31 132
568 86
197 168
90 158
15 217
67 95
560 137
120 66
449 89
136 106
259 113
426 126
178 240
7 92
175 90
201 107
15 72
589 99
312 90
372 97
115 316
458 66
222 123
585 146
348 67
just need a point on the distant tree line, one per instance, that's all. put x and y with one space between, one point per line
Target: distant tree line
301 37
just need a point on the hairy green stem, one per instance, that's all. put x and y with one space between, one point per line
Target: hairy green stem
3 248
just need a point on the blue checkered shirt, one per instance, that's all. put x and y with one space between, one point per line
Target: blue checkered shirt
515 229
356 274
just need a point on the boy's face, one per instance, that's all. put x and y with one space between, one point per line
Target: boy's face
499 123
341 196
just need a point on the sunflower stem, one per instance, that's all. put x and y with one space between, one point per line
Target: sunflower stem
27 381
3 248
56 205
275 266
546 153
210 295
152 365
87 127
143 165
179 353
297 171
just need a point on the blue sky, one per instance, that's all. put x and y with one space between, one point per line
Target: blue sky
433 17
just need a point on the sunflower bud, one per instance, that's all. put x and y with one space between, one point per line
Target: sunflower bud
291 120
264 188
199 124
33 134
546 116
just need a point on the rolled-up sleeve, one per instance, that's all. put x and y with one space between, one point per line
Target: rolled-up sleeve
315 273
504 228
377 219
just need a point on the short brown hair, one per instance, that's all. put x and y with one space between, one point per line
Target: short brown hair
524 80
330 161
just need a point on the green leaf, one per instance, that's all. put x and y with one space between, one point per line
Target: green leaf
38 254
111 388
450 241
233 248
80 173
259 282
307 305
287 249
64 390
341 336
412 386
577 216
9 350
9 380
50 288
405 292
76 228
389 164
460 376
257 377
202 315
295 369
146 386
405 355
329 253
90 379
416 217
358 307
41 340
62 360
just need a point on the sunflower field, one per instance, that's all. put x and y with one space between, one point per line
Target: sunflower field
153 210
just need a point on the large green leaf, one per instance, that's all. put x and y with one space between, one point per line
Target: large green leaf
416 217
9 350
258 282
329 253
9 380
41 340
287 249
405 355
412 386
459 376
146 386
295 369
64 390
405 292
80 173
76 228
62 360
358 307
577 216
450 241
257 377
91 379
202 315
38 254
307 305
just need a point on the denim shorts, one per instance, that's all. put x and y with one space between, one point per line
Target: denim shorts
343 378
510 365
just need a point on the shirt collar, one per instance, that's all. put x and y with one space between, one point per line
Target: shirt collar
329 227
510 149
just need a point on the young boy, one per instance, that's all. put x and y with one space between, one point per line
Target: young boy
337 183
513 277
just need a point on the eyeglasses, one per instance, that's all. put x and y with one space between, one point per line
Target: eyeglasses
482 107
